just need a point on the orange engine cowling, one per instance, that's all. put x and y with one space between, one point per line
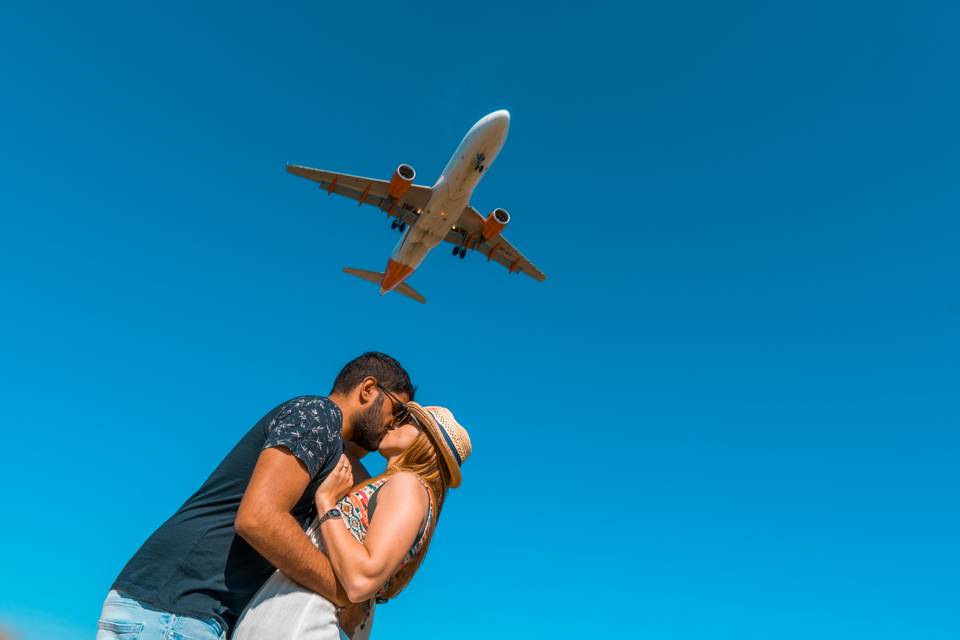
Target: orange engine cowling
401 181
495 223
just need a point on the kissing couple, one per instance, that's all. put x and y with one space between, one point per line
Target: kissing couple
290 538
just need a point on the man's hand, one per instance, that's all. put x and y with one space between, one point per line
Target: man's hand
264 521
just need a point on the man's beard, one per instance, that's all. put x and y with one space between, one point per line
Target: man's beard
368 426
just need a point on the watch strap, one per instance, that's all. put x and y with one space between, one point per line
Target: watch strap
330 515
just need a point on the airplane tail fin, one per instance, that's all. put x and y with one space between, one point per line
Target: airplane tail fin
376 277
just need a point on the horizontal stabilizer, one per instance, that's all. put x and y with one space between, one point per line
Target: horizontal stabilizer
376 277
410 292
370 276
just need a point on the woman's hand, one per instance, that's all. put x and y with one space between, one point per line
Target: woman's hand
334 486
353 616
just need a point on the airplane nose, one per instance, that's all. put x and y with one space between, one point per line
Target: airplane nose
501 118
497 119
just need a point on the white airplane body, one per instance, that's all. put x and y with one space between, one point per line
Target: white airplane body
437 213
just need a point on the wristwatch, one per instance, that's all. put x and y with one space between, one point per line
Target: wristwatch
330 515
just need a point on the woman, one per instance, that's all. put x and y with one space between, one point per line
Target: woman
375 536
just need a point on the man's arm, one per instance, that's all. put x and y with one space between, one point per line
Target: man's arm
264 521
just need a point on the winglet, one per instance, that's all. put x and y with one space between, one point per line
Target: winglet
376 277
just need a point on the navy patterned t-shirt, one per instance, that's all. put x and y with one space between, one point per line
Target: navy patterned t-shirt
195 564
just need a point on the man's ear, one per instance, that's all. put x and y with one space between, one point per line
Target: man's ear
368 390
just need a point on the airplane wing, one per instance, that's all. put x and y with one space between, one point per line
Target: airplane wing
467 232
368 191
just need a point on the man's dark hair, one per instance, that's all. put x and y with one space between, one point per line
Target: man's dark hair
385 369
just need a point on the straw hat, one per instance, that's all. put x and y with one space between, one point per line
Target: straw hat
451 439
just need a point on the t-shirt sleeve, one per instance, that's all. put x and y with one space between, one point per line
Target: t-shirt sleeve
307 429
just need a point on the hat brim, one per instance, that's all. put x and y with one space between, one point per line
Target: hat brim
439 438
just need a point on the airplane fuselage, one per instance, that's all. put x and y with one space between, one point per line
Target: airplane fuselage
451 195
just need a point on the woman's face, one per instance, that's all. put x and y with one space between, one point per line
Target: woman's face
398 439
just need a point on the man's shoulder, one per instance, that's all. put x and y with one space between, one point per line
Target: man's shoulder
315 413
312 401
310 428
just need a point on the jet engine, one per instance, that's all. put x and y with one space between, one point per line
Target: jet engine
495 223
401 181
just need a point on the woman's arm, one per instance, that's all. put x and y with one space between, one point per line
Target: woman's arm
350 617
402 505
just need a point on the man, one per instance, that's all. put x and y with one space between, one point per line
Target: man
195 574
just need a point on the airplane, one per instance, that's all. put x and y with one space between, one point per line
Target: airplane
431 215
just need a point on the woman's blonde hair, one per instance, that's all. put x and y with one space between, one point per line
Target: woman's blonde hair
421 458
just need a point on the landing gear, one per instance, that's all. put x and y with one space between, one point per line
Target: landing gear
396 224
402 227
456 251
460 251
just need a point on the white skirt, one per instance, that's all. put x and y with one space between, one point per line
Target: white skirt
284 610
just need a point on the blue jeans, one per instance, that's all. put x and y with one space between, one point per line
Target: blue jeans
126 619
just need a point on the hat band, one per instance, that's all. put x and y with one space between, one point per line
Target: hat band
447 438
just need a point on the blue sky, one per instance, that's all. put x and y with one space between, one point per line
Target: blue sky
731 411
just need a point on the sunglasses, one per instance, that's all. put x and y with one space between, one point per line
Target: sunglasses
399 410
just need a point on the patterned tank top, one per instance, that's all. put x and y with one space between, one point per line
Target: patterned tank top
355 507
